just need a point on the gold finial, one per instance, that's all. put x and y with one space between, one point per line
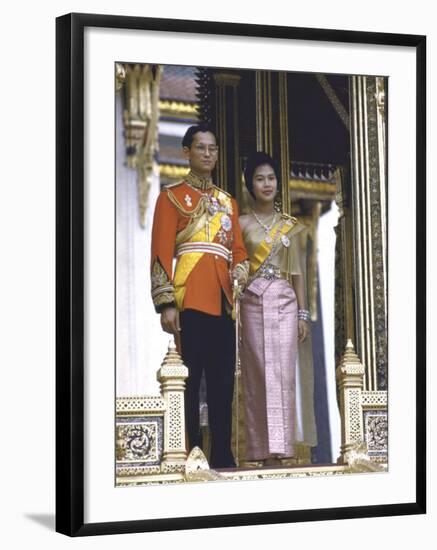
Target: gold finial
349 355
350 365
172 357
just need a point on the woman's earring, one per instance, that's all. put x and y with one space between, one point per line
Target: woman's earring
277 205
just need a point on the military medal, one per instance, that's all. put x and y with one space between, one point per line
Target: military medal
188 201
226 222
213 206
285 241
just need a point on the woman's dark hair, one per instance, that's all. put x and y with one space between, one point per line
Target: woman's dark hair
258 159
187 140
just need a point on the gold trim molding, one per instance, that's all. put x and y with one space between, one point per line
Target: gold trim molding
312 189
172 171
178 108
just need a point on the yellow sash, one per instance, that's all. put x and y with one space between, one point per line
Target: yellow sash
263 249
187 262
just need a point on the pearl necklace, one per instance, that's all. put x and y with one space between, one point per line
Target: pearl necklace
267 228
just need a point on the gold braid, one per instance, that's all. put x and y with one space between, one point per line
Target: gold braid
195 213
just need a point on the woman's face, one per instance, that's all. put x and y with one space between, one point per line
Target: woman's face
264 184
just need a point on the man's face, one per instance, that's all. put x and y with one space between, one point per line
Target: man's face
202 155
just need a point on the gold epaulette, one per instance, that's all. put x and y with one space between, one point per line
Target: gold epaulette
171 185
223 191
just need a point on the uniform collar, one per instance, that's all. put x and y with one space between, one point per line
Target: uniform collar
199 182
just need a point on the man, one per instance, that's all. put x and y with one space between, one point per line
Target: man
197 223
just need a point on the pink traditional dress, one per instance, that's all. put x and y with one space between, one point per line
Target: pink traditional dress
277 373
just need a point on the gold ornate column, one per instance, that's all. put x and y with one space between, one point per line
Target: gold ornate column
344 267
171 376
264 112
284 142
382 142
228 169
369 214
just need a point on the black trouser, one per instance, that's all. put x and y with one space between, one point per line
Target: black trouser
208 344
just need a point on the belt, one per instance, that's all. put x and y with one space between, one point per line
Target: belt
269 271
205 248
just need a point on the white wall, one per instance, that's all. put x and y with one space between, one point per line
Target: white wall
140 342
27 275
326 259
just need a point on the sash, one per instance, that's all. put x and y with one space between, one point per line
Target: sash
264 248
203 230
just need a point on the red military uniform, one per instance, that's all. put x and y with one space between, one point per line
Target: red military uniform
197 223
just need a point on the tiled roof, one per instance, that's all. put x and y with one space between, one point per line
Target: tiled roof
178 83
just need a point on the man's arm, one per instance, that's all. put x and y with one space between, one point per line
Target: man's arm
163 243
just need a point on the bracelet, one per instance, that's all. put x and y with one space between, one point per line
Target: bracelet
303 315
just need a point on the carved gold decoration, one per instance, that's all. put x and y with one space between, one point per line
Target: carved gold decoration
312 189
374 405
223 81
264 113
139 437
141 117
374 400
137 441
344 312
252 474
227 79
171 376
284 142
334 99
358 461
312 275
369 215
172 171
178 109
197 467
380 95
144 405
364 417
376 430
350 374
120 76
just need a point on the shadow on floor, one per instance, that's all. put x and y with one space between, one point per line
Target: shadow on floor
46 520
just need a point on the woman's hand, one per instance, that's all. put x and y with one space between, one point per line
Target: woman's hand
302 331
170 320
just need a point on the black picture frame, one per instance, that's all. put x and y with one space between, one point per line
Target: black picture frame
70 272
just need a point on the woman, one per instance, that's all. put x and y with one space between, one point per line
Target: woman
275 323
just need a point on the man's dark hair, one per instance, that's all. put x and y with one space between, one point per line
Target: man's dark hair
187 140
258 159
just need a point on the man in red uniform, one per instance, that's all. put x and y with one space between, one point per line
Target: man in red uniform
197 223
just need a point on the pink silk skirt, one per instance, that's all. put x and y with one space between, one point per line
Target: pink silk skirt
268 363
